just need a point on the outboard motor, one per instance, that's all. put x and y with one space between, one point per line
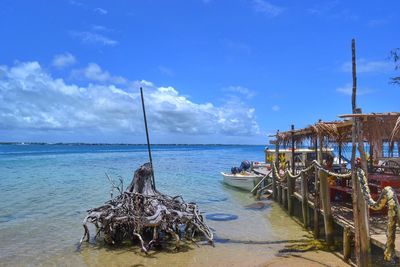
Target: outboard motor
245 165
235 170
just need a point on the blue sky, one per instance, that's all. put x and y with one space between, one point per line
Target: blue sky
213 71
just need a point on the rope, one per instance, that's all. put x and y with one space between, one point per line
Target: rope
314 164
388 196
337 175
281 178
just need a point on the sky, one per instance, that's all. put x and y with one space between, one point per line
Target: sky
212 71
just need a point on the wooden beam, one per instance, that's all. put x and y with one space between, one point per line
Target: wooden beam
359 115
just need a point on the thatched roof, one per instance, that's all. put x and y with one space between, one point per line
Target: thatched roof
375 128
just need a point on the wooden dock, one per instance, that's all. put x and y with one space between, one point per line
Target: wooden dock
343 217
309 187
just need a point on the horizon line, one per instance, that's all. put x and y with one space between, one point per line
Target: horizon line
126 144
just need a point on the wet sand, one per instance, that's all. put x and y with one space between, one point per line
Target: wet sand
255 239
221 255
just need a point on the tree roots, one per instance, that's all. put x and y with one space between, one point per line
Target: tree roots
143 213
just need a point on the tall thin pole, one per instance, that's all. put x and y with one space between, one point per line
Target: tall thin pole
148 139
360 211
354 71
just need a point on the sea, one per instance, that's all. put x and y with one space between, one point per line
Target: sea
47 189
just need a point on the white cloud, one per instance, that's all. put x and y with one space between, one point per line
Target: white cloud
348 90
377 22
165 70
241 90
32 100
101 28
267 8
93 72
63 60
367 66
331 10
275 108
94 38
76 3
101 11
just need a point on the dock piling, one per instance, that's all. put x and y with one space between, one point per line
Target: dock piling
274 178
290 181
346 243
304 203
316 197
326 205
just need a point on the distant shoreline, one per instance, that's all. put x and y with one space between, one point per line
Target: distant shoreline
118 144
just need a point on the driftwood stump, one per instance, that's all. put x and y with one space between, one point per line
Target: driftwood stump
143 213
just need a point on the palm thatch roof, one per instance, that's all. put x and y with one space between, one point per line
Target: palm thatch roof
375 128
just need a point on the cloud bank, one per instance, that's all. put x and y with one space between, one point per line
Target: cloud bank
32 100
63 60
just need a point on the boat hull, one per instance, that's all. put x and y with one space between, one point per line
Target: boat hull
244 182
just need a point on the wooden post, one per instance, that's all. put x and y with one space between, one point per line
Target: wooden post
371 156
340 154
326 203
276 159
361 237
285 197
364 223
346 243
290 181
316 198
304 195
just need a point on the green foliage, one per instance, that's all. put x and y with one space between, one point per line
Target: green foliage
395 56
282 159
270 158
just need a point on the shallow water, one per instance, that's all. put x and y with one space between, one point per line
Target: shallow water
46 191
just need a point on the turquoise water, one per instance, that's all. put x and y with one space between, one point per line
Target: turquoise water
46 190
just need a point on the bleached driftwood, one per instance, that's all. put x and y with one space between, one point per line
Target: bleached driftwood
143 213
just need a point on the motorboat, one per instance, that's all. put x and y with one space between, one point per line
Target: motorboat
244 180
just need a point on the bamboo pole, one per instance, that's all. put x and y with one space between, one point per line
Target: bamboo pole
359 209
290 181
316 198
326 204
